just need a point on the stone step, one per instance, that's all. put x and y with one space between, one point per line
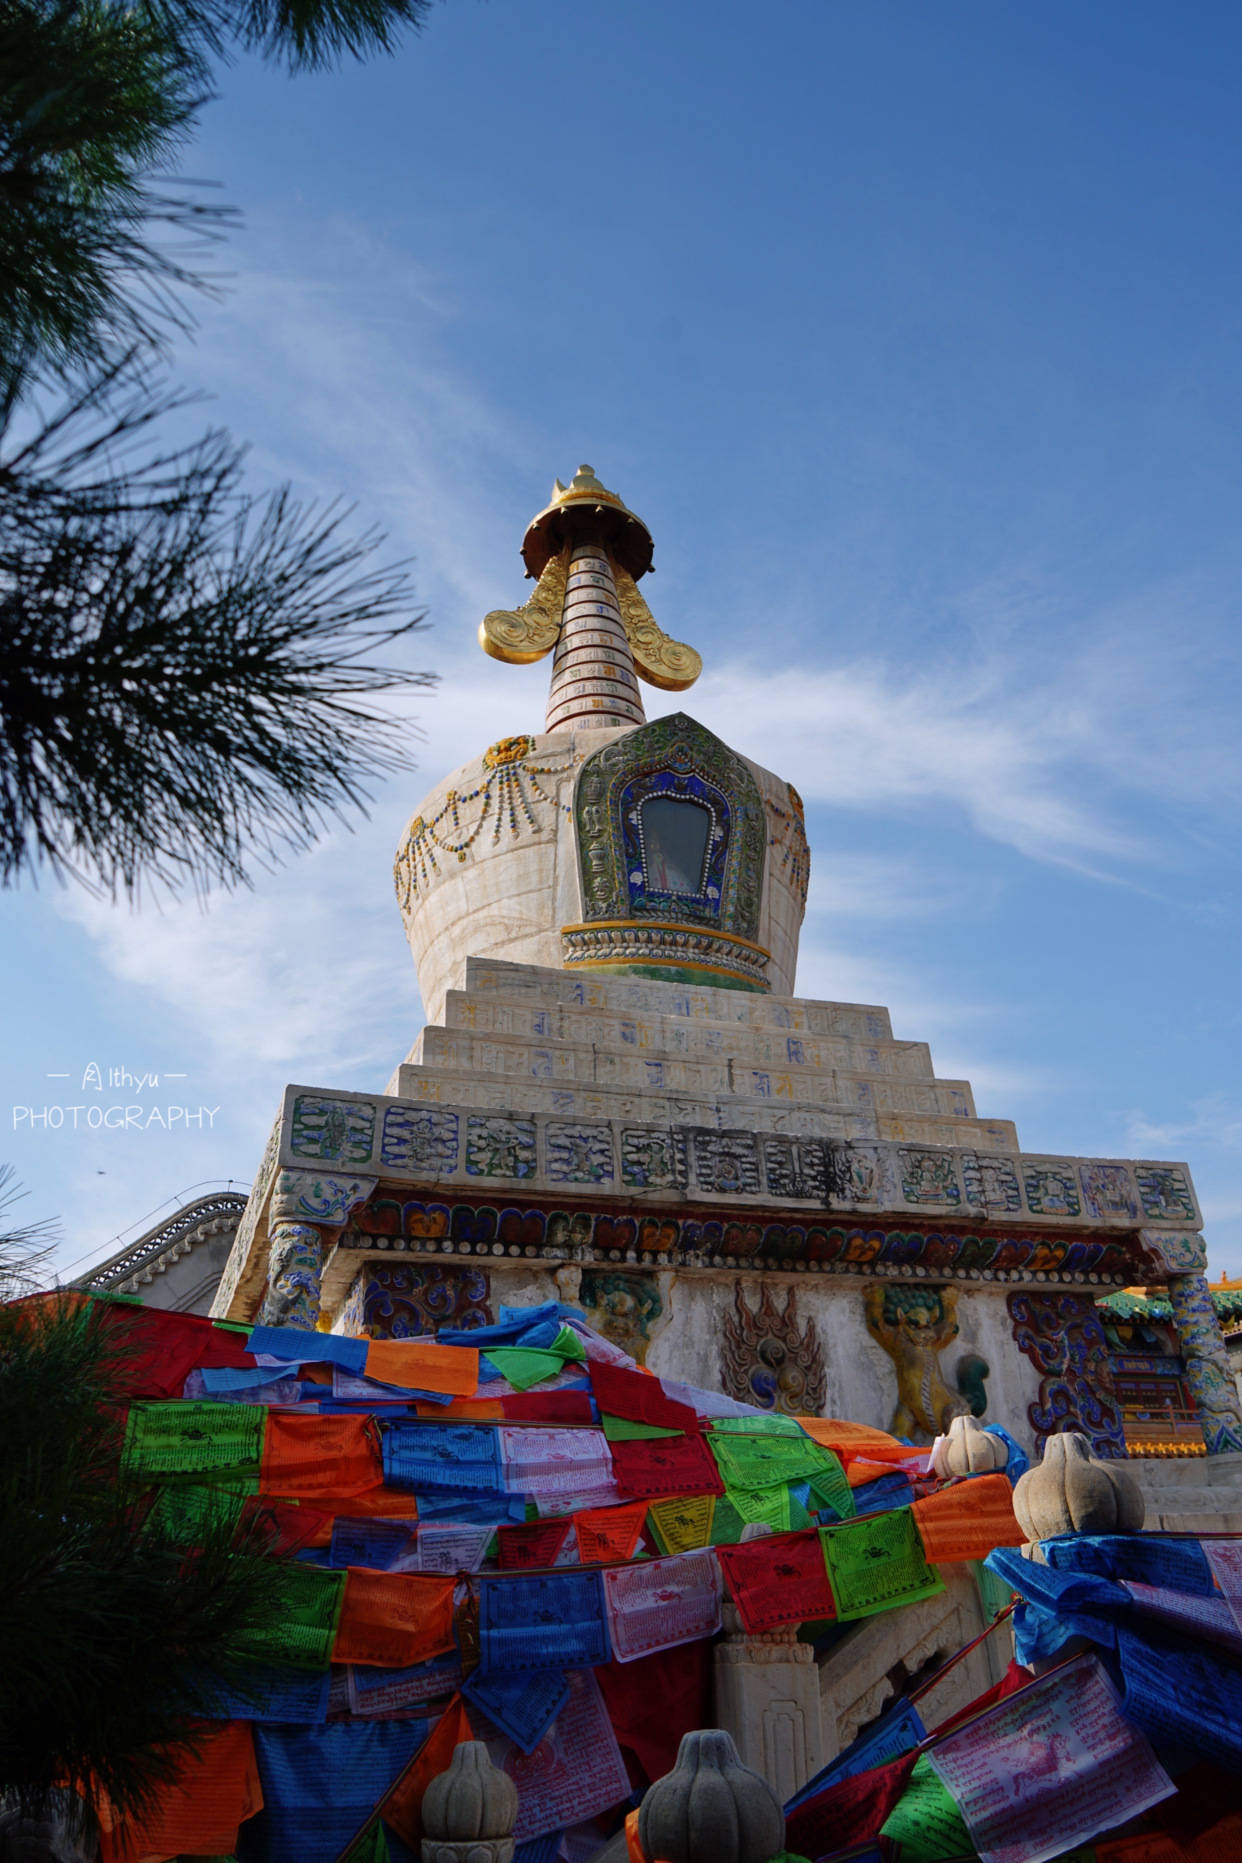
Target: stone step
435 1086
859 1021
516 1058
532 1019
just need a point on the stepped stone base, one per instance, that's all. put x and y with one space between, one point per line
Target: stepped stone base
1199 1496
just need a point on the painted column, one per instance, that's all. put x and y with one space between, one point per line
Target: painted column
1207 1363
307 1215
594 684
294 1275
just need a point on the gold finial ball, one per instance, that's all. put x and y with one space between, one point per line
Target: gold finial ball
584 511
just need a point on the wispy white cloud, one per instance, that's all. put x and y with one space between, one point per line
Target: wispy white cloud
1215 1121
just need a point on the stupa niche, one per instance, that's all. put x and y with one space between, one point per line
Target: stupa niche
618 1101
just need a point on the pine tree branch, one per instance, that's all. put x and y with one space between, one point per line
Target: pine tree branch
187 670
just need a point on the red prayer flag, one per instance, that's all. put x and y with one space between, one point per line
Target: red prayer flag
281 1528
781 1580
666 1465
654 1700
536 1543
547 1407
157 1350
850 1813
639 1397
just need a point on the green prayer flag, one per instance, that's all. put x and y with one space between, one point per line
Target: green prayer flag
768 1506
925 1822
185 1509
568 1344
727 1523
994 1594
370 1845
175 1438
876 1563
524 1366
831 1488
767 1423
625 1430
768 1461
301 1629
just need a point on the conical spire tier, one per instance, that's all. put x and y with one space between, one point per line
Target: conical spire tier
593 678
588 551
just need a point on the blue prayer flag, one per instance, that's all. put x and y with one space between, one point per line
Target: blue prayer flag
441 1455
522 1706
305 1348
554 1620
1145 1558
320 1784
900 1729
377 1544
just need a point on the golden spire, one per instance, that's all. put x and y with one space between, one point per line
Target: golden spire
580 514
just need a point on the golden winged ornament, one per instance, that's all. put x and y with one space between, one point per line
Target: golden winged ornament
660 660
523 634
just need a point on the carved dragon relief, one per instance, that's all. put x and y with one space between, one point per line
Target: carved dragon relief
525 634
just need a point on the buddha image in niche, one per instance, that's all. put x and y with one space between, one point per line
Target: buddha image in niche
676 833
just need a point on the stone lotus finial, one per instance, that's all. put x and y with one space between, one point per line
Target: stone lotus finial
967 1448
469 1810
711 1808
1074 1491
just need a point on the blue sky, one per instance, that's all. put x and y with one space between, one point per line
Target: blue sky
913 333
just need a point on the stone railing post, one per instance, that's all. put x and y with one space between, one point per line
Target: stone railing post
308 1212
768 1699
469 1810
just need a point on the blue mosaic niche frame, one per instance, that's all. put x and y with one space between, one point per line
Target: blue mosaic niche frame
671 757
682 785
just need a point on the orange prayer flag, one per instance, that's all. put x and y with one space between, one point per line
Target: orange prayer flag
376 1503
967 1520
609 1533
857 1438
198 1811
860 1469
391 1620
403 1807
463 1410
633 1847
381 1503
422 1365
314 1455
